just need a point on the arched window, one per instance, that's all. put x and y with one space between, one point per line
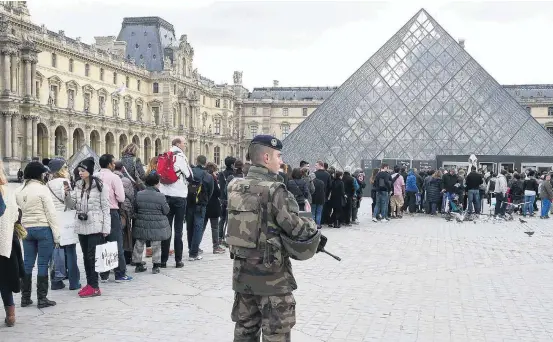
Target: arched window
217 155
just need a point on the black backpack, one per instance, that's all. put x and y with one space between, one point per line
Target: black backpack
196 191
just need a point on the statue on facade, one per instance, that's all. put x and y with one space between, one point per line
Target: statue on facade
86 102
102 107
139 114
70 101
51 97
237 77
195 74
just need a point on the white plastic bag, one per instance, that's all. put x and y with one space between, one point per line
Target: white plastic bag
107 257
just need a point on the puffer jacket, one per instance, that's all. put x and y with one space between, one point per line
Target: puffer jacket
35 201
99 218
151 223
7 220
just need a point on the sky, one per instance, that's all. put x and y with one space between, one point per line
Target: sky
316 43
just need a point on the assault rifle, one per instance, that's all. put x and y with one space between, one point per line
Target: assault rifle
321 248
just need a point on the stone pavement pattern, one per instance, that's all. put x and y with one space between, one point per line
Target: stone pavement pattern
415 279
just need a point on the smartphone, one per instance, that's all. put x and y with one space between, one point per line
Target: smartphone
66 185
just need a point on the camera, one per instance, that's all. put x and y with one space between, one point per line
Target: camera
82 216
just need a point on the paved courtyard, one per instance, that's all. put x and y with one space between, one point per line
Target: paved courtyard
415 279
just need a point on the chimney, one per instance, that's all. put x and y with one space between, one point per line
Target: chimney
462 42
275 83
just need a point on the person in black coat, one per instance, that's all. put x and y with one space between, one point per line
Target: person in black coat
222 180
298 187
337 199
150 223
433 190
322 174
318 200
349 188
213 210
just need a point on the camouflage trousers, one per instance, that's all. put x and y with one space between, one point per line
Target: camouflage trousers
274 315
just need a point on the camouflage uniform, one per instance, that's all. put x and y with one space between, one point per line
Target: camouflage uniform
262 272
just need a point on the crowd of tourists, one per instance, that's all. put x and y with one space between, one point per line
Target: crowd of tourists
397 191
140 209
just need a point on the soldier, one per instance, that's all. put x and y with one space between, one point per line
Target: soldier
264 231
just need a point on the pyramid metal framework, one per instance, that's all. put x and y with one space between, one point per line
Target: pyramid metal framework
420 95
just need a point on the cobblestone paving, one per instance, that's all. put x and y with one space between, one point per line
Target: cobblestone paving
414 279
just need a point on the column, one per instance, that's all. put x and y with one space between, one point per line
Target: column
13 73
52 140
34 122
28 82
6 78
8 136
33 78
15 146
29 138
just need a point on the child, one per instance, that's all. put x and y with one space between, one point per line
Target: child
151 223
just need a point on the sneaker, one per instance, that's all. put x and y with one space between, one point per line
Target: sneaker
90 292
84 289
104 279
374 219
218 250
123 279
385 220
199 257
163 265
140 268
179 264
155 270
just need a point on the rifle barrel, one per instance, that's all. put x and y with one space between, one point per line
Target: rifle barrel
332 255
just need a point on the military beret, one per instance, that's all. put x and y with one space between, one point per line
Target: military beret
267 140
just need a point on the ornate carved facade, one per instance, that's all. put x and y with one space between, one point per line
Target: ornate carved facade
57 93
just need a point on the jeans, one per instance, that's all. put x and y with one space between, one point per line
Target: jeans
88 246
545 206
446 196
222 222
354 208
433 207
214 230
529 205
6 292
116 235
500 204
195 228
317 212
177 211
473 200
381 206
38 246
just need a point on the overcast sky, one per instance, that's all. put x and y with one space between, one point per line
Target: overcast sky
316 43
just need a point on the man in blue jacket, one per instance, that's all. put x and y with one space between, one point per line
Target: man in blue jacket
411 191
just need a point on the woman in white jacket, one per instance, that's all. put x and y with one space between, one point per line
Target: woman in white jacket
92 221
11 260
40 220
68 239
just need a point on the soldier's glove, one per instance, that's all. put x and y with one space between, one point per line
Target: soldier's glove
322 243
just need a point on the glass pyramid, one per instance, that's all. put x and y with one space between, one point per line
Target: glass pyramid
420 95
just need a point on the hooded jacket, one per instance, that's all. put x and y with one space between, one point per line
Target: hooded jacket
411 184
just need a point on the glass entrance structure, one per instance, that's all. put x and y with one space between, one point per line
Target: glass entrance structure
420 95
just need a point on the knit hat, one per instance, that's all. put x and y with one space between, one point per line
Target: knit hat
347 169
34 170
56 164
87 164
